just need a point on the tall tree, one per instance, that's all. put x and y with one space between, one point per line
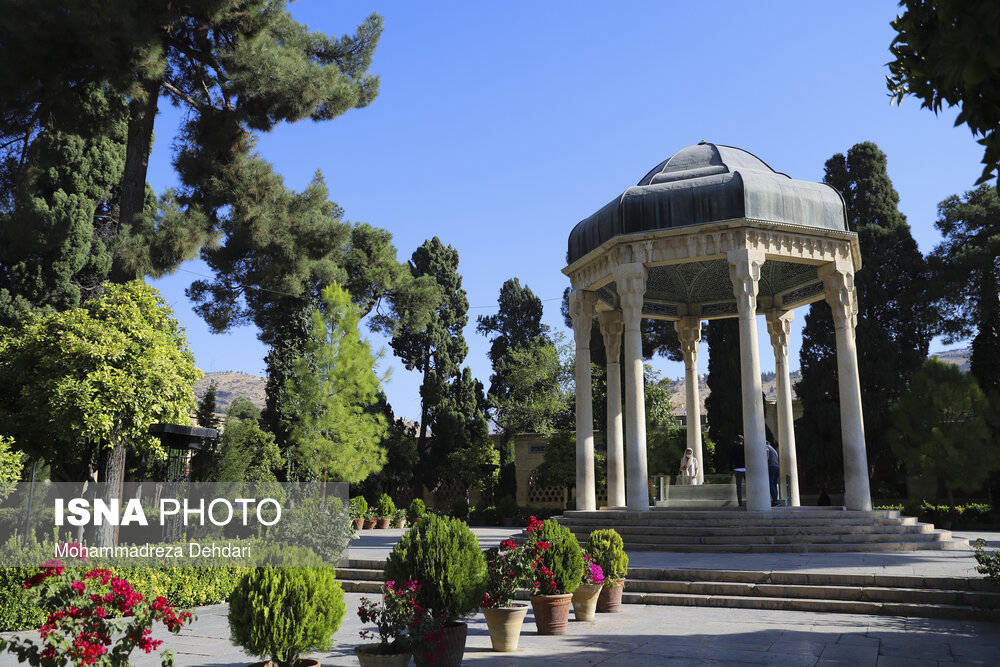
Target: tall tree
966 269
437 349
205 416
894 323
333 388
947 51
940 428
461 442
724 403
519 341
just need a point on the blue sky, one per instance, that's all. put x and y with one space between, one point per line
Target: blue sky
499 126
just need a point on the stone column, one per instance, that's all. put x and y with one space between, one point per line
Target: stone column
630 280
611 330
779 326
838 279
689 334
581 310
744 271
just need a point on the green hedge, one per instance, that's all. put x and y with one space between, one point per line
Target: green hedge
969 515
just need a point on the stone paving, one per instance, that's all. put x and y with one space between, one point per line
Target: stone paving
661 635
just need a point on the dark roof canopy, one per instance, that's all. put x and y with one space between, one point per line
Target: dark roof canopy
709 183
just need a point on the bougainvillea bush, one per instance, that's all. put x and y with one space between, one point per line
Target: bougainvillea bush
402 625
507 568
78 628
558 564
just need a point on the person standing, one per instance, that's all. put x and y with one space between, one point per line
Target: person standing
689 467
738 467
773 472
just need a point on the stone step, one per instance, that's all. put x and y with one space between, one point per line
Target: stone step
798 547
811 538
716 522
656 513
769 531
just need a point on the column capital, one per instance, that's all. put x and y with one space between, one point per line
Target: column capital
744 271
630 280
581 311
689 334
779 327
612 326
838 283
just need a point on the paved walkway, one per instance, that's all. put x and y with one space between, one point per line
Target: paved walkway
661 635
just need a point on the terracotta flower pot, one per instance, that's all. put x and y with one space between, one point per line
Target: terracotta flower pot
358 523
505 626
369 524
368 656
452 650
383 522
551 613
610 600
303 662
585 601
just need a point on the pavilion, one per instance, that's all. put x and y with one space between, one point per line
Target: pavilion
712 232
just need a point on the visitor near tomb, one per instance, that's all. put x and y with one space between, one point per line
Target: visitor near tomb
738 467
773 472
689 467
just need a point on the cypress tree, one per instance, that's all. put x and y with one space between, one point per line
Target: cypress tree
724 402
893 329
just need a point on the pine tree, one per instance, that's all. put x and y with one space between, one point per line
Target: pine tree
894 320
967 278
205 416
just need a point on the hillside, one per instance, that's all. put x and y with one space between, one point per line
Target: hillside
230 385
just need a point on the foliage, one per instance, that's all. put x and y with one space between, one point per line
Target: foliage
940 428
444 554
607 549
558 467
416 509
989 563
507 507
78 627
667 447
592 572
319 524
894 321
725 403
460 508
205 415
335 433
402 624
75 382
400 445
461 442
282 612
946 52
558 563
386 508
246 452
967 278
507 568
359 507
10 466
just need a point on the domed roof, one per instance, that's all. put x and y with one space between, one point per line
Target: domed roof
709 183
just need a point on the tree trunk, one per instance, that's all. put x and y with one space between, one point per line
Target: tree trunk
112 475
418 470
142 115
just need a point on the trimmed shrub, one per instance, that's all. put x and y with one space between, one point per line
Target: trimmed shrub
460 508
359 506
416 510
562 557
443 555
386 508
607 550
282 612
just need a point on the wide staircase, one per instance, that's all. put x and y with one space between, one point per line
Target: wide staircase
895 595
781 530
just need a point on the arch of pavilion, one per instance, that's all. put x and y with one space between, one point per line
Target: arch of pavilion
712 232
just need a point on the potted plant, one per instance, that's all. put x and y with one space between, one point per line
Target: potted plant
358 506
385 510
506 569
416 510
371 516
586 595
605 546
401 625
399 519
555 573
282 612
444 555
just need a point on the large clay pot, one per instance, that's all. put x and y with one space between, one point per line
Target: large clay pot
369 524
358 523
610 601
505 626
368 657
585 601
452 650
303 662
383 522
551 613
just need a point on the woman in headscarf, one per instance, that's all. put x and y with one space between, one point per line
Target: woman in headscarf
689 467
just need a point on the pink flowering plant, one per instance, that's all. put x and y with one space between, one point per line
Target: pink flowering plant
592 572
402 625
556 560
506 570
79 629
